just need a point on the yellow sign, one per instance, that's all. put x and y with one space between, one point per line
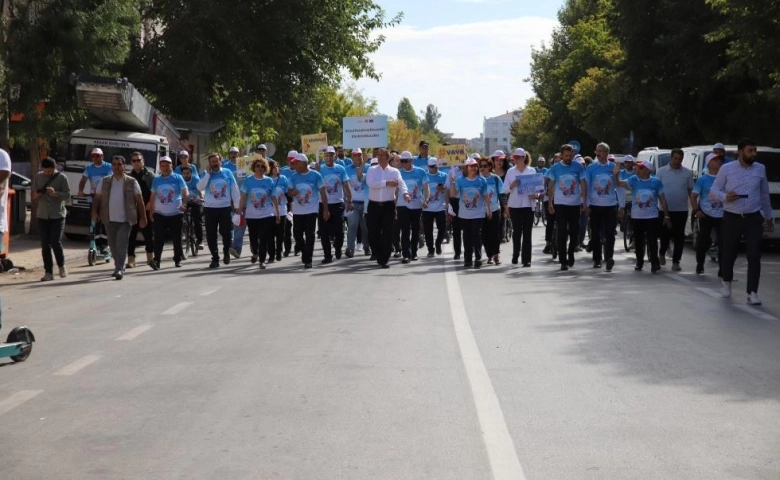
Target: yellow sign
245 163
454 154
313 143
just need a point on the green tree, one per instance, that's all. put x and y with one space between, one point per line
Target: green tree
407 114
530 132
47 41
430 119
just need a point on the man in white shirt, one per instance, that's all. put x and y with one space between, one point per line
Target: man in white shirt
5 174
383 180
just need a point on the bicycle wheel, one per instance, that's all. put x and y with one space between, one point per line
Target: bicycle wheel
191 240
628 234
537 217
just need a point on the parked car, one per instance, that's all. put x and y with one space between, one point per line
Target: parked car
20 182
659 157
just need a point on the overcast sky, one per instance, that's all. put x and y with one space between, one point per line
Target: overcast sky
467 57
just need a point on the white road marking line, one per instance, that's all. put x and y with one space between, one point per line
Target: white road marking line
498 442
17 399
209 292
755 312
177 308
77 365
132 334
708 291
679 278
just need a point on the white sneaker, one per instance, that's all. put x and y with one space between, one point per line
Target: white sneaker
725 289
753 298
63 272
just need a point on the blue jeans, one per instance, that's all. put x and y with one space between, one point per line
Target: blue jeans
357 218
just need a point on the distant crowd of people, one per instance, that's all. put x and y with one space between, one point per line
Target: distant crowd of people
394 203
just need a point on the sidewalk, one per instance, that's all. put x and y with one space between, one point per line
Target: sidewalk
25 252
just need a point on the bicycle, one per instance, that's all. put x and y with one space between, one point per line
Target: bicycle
189 239
539 215
628 229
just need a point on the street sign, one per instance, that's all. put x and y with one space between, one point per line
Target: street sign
576 145
365 132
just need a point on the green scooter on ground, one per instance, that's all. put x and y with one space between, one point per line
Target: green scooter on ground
18 346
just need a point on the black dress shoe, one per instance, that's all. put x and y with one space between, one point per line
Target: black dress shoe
457 256
327 260
226 258
571 260
526 265
514 260
597 265
405 261
214 263
414 258
307 265
564 267
384 265
438 249
610 264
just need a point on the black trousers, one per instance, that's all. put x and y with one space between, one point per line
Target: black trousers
50 231
278 240
675 234
491 234
305 229
568 217
261 235
457 227
523 224
197 221
707 225
550 228
218 220
472 238
167 226
603 221
734 227
646 235
409 219
380 227
147 232
429 218
396 233
333 228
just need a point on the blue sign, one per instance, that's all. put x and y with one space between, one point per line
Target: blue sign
576 145
530 184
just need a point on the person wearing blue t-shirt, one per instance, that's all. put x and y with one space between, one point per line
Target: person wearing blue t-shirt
648 192
338 200
261 209
409 212
567 190
708 211
453 175
341 158
184 161
195 203
474 206
421 160
94 174
434 208
306 189
282 238
356 220
220 202
168 202
491 228
602 203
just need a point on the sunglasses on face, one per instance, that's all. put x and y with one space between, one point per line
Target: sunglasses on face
405 161
135 160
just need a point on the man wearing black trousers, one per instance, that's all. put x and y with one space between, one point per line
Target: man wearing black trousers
568 191
678 185
306 189
452 212
602 201
220 201
338 192
383 181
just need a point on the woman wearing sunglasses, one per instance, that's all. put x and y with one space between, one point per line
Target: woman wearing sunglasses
471 190
491 228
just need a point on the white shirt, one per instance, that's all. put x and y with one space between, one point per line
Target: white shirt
5 165
116 201
377 178
515 199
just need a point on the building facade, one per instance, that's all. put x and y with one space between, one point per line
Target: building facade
497 131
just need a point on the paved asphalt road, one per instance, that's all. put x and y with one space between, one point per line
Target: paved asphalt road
423 371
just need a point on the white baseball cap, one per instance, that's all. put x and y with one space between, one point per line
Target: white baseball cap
498 154
233 150
519 152
262 147
96 151
475 156
166 158
611 157
292 155
541 159
471 161
184 153
357 151
406 155
374 161
626 159
330 149
710 157
301 157
646 164
433 162
719 146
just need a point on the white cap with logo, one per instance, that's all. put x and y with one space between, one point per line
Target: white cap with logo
233 150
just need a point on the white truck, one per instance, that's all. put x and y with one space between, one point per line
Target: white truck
127 123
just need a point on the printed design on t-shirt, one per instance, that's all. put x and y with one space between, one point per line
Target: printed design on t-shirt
602 185
435 195
166 194
305 193
645 199
280 195
218 189
414 189
94 183
332 184
258 197
715 204
491 194
355 185
567 185
470 198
